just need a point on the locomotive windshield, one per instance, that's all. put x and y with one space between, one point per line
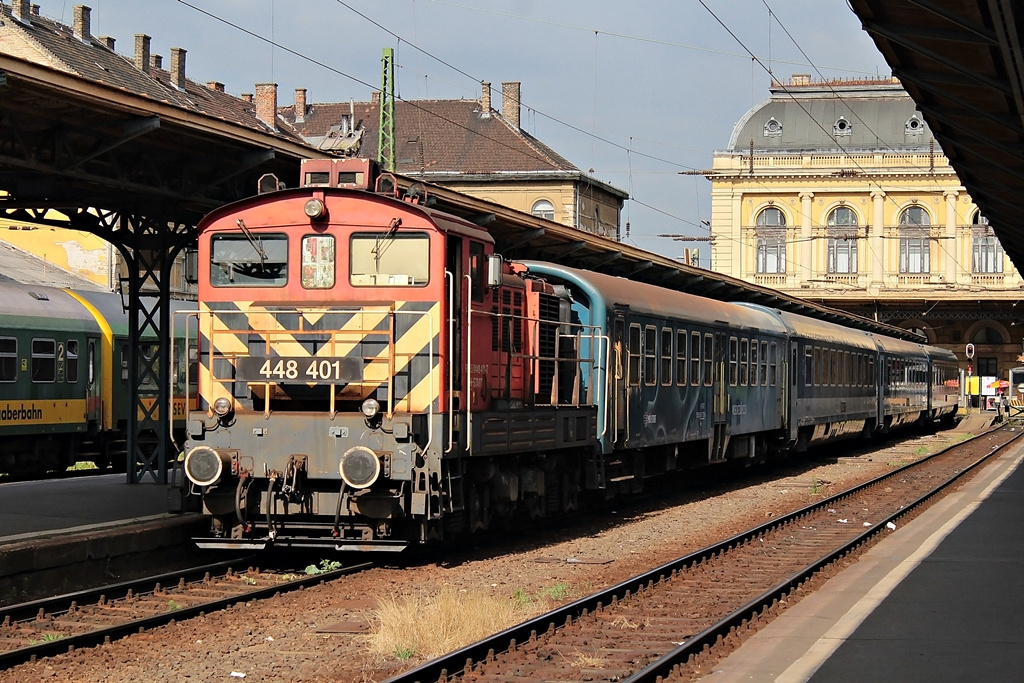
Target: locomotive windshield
238 261
390 260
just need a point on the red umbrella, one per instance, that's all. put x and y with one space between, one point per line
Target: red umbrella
999 384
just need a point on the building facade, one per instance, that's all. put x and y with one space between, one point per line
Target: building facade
836 192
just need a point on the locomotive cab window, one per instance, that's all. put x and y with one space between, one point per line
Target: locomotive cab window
249 260
386 259
477 270
8 359
318 261
44 360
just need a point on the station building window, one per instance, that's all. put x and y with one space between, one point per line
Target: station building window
771 241
542 208
986 251
915 243
842 240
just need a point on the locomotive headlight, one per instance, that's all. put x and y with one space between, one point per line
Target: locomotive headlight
370 407
203 465
222 406
359 467
315 209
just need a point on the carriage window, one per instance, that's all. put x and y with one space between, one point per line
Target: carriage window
835 366
318 261
709 356
650 355
734 361
871 371
808 366
681 356
124 364
249 260
72 364
8 359
744 360
44 360
666 356
386 259
755 362
773 362
695 358
817 365
764 363
634 354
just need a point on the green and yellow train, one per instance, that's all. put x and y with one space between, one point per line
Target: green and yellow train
64 380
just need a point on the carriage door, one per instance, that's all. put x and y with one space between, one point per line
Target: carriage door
720 403
618 415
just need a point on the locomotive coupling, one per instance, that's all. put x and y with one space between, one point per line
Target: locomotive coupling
204 465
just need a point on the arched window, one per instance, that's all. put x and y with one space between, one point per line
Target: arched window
988 335
987 253
915 243
771 241
542 208
842 240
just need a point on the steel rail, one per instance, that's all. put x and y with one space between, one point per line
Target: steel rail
110 633
462 660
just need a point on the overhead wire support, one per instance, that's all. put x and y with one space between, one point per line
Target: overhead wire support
386 129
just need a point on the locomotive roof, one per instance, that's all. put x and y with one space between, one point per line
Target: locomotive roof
445 222
650 299
48 308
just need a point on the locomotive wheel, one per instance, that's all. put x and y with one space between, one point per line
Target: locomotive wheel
479 508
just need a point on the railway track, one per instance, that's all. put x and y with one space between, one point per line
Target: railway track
51 626
660 623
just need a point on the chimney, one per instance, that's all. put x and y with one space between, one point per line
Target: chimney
142 52
510 103
35 10
20 9
266 103
82 22
485 98
107 41
300 105
247 97
156 61
178 68
215 85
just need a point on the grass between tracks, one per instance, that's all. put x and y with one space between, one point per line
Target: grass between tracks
427 626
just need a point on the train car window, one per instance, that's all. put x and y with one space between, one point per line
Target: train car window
249 260
634 354
755 362
764 364
650 355
734 361
709 359
681 356
744 361
773 362
808 366
817 365
124 364
695 358
477 270
8 359
44 360
71 371
834 356
387 259
318 261
666 356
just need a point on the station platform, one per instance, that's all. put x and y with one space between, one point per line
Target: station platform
86 530
937 600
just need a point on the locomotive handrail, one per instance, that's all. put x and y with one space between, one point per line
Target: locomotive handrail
450 279
469 361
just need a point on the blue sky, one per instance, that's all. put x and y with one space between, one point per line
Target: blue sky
635 91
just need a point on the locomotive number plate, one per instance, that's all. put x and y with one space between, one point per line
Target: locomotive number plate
299 370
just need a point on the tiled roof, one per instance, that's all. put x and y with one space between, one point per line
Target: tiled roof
437 136
92 60
18 265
